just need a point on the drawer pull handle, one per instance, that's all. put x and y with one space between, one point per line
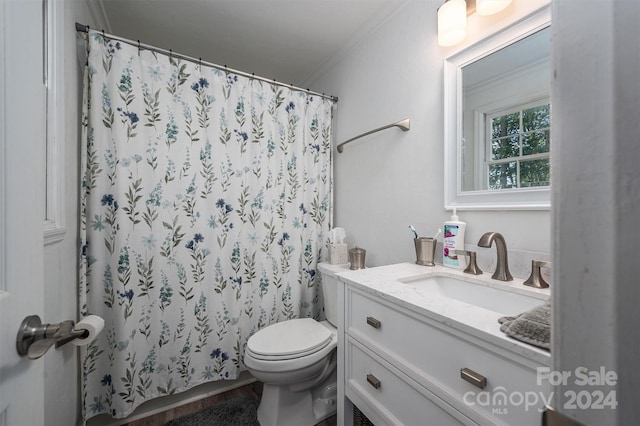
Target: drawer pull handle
373 381
474 378
373 322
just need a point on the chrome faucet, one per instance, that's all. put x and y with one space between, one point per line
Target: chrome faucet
502 268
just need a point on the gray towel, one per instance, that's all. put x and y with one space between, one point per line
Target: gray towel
533 326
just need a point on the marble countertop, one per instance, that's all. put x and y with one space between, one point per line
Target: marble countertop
388 282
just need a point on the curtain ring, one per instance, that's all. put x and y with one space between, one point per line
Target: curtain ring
138 47
103 36
170 54
200 64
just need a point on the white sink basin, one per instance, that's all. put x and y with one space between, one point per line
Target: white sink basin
455 290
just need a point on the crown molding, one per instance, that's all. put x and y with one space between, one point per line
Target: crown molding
98 15
384 15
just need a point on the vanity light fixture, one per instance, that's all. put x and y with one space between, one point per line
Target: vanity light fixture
491 7
452 22
452 17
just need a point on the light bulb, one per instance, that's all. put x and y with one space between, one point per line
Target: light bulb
452 22
490 7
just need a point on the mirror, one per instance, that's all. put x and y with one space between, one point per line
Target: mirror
498 120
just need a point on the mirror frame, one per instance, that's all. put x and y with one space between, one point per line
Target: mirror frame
505 199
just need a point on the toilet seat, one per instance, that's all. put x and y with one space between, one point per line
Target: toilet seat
290 339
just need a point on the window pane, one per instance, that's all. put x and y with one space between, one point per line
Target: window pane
536 118
505 147
535 142
534 173
505 125
502 176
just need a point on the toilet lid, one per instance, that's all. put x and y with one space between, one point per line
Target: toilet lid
289 339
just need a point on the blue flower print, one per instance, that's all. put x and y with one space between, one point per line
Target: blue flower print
285 237
127 294
106 380
219 203
149 242
122 345
198 238
243 135
217 353
112 47
97 224
310 272
123 261
290 107
200 84
107 199
155 72
133 117
97 405
125 81
213 224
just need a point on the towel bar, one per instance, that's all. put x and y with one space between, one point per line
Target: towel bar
404 125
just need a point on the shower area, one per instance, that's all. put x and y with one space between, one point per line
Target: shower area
205 206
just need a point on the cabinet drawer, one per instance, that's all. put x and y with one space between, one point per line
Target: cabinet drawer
433 357
386 396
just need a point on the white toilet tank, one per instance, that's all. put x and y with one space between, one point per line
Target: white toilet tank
329 285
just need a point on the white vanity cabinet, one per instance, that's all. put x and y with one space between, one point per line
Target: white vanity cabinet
402 365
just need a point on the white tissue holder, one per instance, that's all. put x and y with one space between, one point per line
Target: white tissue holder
338 254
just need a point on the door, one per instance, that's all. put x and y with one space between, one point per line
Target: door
22 201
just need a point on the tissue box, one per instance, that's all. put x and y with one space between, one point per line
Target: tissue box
338 254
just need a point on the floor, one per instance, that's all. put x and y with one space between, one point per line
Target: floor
254 390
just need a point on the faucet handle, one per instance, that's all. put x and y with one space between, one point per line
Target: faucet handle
535 279
472 265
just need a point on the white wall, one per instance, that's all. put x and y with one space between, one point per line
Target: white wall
62 368
393 178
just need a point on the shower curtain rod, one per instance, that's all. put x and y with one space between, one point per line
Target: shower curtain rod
85 29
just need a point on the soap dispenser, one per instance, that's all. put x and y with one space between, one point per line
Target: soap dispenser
453 240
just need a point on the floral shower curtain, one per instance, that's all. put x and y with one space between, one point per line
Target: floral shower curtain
205 204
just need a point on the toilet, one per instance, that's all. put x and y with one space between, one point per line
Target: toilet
296 361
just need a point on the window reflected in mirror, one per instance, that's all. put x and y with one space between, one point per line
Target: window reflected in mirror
506 117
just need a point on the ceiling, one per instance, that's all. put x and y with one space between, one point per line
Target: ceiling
286 40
